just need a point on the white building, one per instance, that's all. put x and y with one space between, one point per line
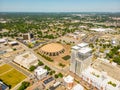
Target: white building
100 79
13 43
115 42
40 73
78 87
101 29
3 40
68 81
80 58
26 59
80 64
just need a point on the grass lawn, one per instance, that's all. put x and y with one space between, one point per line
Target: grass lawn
5 68
12 77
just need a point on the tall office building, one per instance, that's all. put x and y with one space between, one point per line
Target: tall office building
81 57
28 37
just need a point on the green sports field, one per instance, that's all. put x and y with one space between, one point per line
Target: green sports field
10 76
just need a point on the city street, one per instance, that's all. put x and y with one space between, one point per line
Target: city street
21 69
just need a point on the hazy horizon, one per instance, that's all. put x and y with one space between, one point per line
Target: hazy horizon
59 6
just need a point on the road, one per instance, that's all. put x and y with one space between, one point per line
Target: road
40 57
20 69
64 70
9 61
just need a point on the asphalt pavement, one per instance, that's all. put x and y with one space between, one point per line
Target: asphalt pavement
20 69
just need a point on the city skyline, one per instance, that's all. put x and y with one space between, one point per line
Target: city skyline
59 6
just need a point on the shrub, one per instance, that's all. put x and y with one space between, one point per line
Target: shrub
66 57
113 84
32 68
52 72
62 65
40 63
46 67
14 49
24 85
46 57
56 76
60 75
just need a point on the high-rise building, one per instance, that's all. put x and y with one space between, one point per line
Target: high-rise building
28 37
81 57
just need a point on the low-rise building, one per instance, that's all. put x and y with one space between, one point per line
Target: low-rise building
3 86
3 40
47 83
40 73
100 79
26 59
13 43
68 81
78 87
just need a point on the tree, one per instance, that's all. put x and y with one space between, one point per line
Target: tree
117 59
40 63
46 67
32 68
51 73
56 76
24 85
60 75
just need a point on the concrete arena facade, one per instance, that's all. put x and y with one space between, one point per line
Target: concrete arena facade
52 49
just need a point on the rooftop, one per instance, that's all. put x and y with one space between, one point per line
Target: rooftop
52 47
13 42
25 59
83 44
79 46
68 79
75 47
101 79
40 71
100 29
2 40
104 65
48 80
78 87
85 50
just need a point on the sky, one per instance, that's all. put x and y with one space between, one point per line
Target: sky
59 5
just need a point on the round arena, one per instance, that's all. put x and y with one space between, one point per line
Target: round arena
52 49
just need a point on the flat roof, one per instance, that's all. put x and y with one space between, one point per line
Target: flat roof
82 44
2 40
101 78
78 87
26 59
40 71
27 56
48 80
103 64
85 50
13 42
75 47
100 29
68 79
